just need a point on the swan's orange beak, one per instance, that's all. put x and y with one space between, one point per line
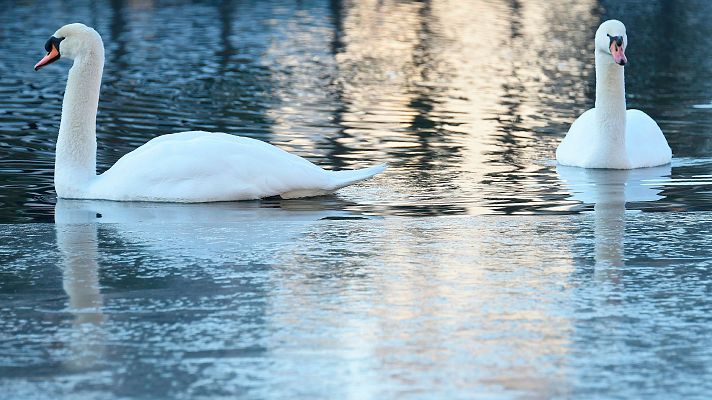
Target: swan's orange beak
51 57
618 53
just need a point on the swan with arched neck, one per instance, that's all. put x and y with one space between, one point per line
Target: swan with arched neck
192 166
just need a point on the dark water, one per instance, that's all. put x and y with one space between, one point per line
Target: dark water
598 287
465 101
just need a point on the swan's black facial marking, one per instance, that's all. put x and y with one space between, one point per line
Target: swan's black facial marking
616 49
617 39
52 41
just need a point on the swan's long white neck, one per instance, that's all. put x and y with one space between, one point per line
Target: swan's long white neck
75 163
610 108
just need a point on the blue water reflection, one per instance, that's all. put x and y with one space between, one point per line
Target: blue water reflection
306 306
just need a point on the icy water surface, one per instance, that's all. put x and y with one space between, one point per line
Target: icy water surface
473 268
302 303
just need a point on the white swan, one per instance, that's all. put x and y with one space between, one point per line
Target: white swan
608 136
181 167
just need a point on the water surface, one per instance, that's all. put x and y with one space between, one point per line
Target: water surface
474 267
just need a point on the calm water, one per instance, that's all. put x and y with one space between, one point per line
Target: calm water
474 267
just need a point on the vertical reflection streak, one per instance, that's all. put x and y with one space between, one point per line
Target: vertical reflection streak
78 246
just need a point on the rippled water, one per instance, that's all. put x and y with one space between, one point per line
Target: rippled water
465 100
600 287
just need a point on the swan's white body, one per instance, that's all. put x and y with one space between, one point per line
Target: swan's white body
609 136
182 167
643 143
201 166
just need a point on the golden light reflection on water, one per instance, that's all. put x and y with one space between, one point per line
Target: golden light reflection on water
481 89
485 91
475 87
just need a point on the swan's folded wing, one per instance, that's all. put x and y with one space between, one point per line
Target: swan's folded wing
579 139
646 145
202 166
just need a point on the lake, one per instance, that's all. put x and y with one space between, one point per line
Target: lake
474 267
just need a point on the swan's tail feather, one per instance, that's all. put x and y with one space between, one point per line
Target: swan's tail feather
345 178
339 179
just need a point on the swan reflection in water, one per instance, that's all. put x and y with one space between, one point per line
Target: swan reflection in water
204 230
609 190
215 231
261 212
78 247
